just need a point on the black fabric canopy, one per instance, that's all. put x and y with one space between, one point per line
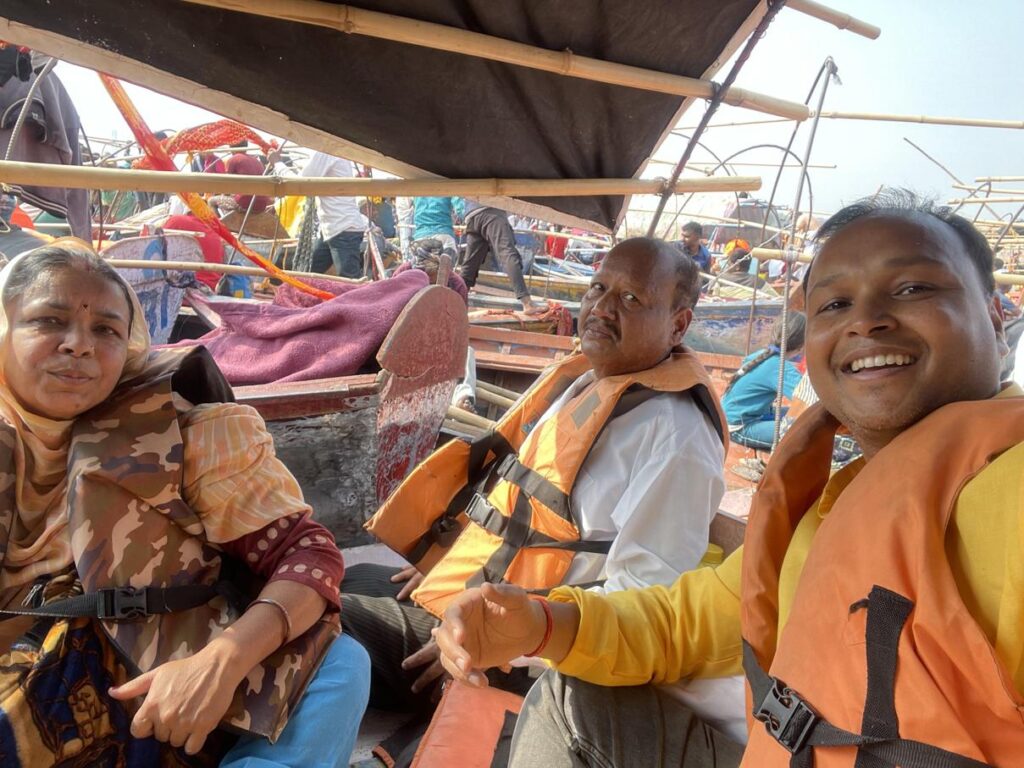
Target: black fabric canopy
444 113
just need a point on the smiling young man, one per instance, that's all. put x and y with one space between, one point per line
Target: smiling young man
608 470
879 612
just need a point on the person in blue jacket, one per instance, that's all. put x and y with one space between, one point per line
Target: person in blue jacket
749 399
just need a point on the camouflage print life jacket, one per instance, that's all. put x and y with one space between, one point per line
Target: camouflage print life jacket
130 527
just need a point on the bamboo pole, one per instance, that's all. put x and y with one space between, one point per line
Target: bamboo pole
352 20
226 269
993 222
993 190
462 428
42 225
719 280
986 200
944 169
494 399
998 179
479 422
1002 278
836 18
686 131
656 161
719 219
969 122
76 177
775 253
552 233
509 394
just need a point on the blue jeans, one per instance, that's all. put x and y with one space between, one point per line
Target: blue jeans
344 250
756 434
322 730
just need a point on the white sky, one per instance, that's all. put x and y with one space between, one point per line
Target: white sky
934 57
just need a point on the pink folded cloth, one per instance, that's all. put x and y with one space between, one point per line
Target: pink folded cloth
298 337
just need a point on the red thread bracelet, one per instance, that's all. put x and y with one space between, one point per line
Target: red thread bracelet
548 629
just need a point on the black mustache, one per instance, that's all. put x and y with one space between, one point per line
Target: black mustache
603 326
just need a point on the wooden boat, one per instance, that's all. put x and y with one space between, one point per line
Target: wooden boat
547 265
718 327
160 292
351 440
560 288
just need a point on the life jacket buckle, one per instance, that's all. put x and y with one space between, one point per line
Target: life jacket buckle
444 531
787 718
123 603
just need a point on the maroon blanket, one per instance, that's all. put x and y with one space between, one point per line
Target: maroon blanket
291 341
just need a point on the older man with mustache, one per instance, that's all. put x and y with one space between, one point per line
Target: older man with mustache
646 481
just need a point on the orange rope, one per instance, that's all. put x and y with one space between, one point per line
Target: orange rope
162 161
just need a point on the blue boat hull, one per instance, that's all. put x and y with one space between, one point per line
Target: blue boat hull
721 327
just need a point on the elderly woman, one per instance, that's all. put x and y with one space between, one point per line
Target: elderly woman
167 598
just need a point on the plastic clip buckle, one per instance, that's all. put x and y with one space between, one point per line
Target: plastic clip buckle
444 531
779 709
125 603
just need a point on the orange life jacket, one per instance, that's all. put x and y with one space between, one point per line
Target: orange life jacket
498 509
447 743
880 662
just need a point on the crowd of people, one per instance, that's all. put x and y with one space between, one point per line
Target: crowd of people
169 598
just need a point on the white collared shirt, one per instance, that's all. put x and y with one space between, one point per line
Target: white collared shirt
337 214
651 485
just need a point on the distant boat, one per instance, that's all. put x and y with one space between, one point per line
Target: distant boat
719 327
561 287
160 292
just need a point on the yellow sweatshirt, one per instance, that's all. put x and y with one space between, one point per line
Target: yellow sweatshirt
692 629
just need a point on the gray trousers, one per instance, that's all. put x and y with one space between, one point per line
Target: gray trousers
567 723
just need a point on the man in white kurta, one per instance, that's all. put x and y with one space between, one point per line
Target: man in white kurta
650 485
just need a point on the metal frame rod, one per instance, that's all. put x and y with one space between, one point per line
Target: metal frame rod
716 100
832 70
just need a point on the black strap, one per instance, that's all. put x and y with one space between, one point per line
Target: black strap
445 530
634 396
706 402
792 722
503 747
887 615
122 603
534 485
515 530
516 535
483 513
538 487
531 485
593 547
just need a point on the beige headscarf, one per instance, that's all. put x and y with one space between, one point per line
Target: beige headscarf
39 543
